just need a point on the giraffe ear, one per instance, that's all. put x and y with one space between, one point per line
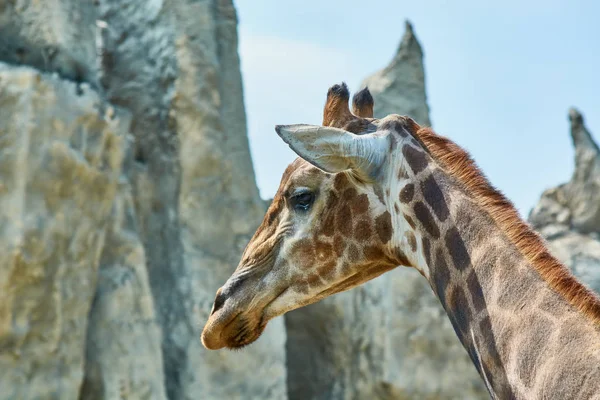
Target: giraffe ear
334 150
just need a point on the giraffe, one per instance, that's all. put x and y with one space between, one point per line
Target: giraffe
368 195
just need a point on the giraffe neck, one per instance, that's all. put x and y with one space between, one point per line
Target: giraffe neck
508 318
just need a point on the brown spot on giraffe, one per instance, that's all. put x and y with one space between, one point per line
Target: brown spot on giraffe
373 253
303 288
458 251
441 276
489 350
416 159
426 248
359 126
459 311
313 278
477 296
340 182
349 195
383 225
360 205
514 298
362 230
343 220
434 197
407 193
427 221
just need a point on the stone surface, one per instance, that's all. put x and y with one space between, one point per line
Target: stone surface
582 192
50 35
175 66
568 216
400 86
61 149
219 205
123 352
389 337
138 71
122 348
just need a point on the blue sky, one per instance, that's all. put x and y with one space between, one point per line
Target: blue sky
500 76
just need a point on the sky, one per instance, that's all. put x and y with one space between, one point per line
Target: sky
500 76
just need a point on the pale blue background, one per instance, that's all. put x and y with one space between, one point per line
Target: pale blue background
500 76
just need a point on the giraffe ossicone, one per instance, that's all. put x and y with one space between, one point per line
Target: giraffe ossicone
368 195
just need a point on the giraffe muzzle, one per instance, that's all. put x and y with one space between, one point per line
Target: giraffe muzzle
237 317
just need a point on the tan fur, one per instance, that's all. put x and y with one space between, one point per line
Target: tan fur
459 164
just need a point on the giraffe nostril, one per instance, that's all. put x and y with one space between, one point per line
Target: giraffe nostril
225 292
219 301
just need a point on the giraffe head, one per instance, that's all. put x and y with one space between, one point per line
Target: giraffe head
328 228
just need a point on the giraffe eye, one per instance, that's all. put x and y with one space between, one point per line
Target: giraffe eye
302 201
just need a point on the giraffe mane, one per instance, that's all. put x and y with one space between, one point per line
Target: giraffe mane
459 165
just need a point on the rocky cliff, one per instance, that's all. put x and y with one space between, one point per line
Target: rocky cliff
568 216
127 193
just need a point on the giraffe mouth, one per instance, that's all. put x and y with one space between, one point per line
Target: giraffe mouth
241 328
246 332
240 323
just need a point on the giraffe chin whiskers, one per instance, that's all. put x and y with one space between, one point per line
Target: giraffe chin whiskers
239 331
240 321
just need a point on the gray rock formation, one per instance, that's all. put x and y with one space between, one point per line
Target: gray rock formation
387 338
123 356
50 35
219 205
175 66
568 216
61 150
401 85
113 249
